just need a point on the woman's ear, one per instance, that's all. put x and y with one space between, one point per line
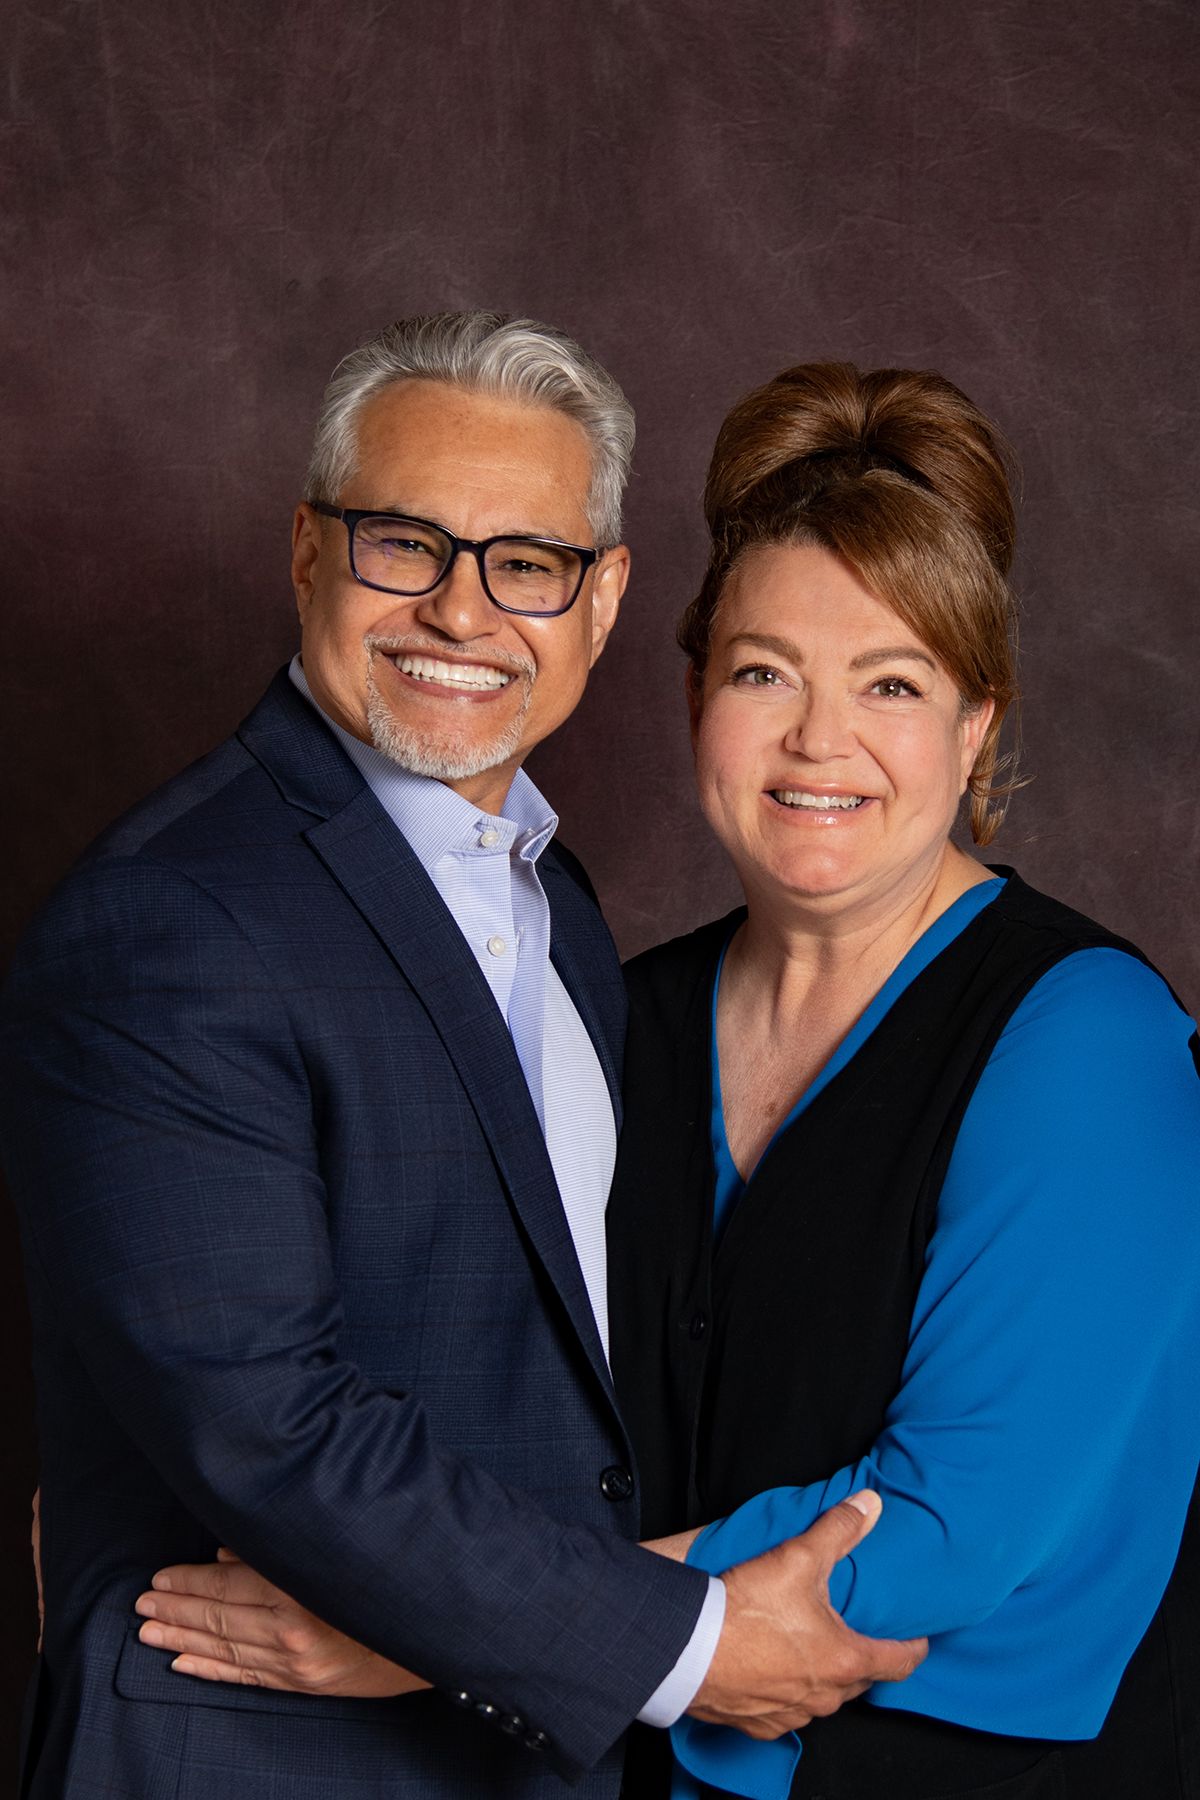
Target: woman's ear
693 682
974 730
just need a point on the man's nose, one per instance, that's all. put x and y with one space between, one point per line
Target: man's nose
458 606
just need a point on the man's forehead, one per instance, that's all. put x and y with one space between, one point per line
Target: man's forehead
425 445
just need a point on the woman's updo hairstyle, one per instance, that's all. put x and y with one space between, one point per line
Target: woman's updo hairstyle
897 473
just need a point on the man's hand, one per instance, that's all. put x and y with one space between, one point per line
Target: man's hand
784 1656
230 1624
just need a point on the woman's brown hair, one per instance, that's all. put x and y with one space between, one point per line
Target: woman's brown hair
897 473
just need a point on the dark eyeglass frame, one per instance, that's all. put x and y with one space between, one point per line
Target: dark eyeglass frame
352 517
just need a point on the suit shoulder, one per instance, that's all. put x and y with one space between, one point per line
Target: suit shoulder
207 803
568 863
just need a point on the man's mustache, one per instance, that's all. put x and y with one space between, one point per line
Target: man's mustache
415 643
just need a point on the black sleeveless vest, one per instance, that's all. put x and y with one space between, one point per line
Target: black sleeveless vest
773 1362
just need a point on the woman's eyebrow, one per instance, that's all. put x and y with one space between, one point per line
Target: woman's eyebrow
777 645
869 658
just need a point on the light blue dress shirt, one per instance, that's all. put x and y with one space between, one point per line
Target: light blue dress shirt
484 866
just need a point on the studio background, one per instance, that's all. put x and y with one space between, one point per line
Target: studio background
207 205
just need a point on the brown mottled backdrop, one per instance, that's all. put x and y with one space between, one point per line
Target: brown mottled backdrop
208 204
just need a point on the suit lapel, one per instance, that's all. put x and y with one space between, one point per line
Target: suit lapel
375 867
585 956
380 874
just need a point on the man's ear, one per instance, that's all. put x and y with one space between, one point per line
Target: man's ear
608 585
306 547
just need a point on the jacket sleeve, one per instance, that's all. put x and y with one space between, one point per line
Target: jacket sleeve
165 1162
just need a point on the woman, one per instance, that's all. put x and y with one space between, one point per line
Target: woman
906 1194
906 1191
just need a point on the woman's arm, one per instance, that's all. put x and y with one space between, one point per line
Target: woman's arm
1045 1435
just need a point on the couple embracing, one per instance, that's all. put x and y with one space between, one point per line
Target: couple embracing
466 1368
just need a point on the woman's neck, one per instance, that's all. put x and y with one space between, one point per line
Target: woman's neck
791 943
798 976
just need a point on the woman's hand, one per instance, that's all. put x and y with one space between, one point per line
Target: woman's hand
675 1547
230 1624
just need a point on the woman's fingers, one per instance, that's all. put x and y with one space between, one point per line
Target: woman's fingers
230 1656
209 1669
230 1579
257 1626
224 1622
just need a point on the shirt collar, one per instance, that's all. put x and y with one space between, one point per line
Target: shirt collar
435 820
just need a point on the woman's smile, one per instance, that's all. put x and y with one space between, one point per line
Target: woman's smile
823 805
832 748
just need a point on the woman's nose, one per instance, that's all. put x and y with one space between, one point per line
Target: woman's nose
458 606
821 730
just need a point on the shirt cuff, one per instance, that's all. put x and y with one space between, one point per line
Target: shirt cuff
675 1693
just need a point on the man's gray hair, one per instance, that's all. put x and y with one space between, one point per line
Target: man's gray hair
486 353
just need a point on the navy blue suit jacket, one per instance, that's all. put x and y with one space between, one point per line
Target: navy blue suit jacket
302 1284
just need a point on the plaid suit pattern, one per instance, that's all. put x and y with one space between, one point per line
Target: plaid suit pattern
302 1284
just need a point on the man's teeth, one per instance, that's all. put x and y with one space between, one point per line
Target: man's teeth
429 668
818 802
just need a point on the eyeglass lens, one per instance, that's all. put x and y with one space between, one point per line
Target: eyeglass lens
406 557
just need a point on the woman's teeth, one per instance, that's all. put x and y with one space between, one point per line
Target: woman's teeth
475 675
818 802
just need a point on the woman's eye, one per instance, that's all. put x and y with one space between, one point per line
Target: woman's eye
758 677
893 688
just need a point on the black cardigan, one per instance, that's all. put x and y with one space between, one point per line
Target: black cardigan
773 1363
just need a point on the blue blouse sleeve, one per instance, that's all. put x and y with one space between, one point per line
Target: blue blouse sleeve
1037 1464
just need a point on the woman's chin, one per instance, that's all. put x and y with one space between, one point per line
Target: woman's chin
816 874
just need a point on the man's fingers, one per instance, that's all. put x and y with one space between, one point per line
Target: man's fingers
890 1660
839 1530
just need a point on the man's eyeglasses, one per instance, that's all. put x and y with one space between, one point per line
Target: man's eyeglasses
538 577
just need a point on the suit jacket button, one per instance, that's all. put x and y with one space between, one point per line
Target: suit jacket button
698 1326
537 1740
487 1711
513 1724
616 1483
459 1697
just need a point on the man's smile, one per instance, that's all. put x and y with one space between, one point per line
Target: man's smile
477 677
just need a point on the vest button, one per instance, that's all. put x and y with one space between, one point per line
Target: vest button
616 1483
698 1326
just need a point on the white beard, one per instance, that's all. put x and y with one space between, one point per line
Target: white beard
451 755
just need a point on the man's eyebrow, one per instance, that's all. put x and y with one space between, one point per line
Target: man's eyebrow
868 660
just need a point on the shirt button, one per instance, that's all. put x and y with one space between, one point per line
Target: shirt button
497 946
489 837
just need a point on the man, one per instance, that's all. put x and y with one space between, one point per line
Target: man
314 1064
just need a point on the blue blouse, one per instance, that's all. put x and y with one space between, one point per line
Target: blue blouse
1037 1463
